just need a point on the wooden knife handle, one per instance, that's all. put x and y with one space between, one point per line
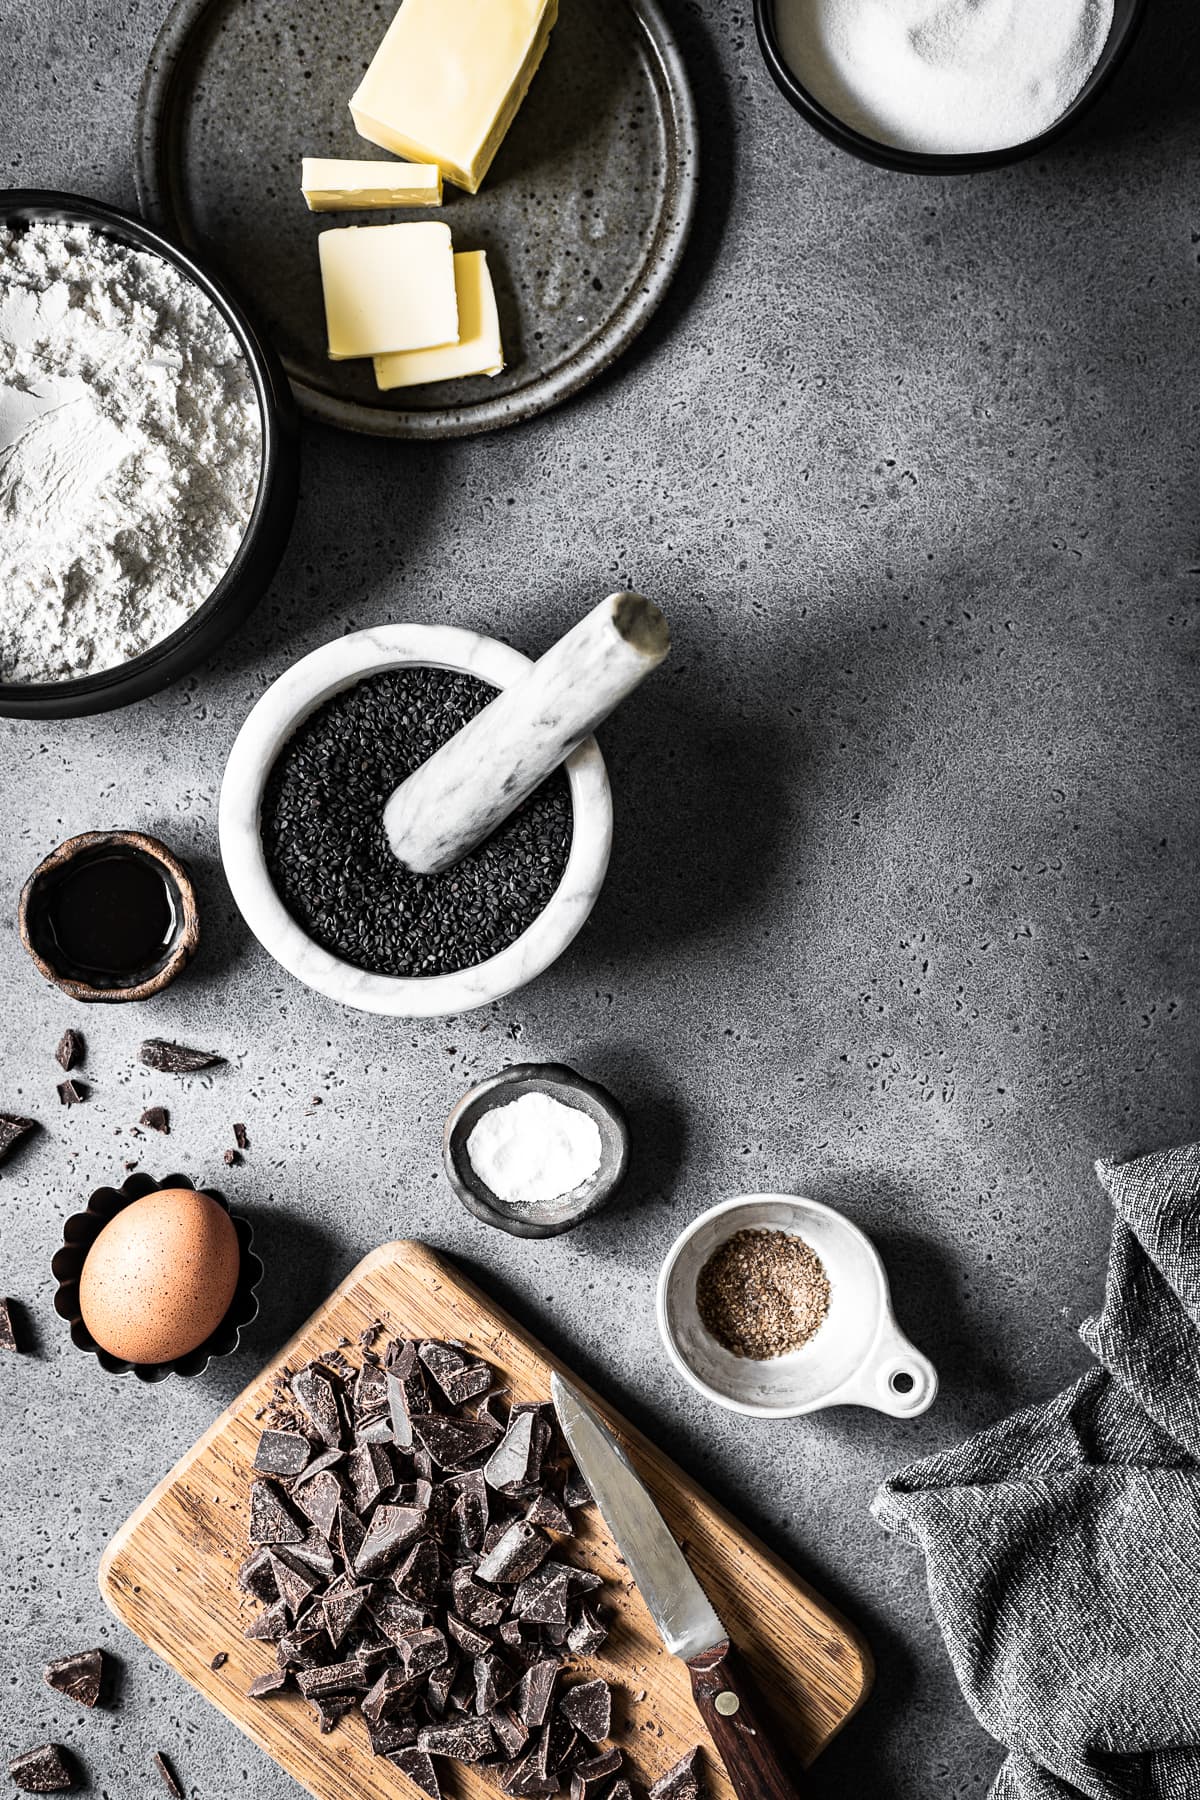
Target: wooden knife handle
745 1734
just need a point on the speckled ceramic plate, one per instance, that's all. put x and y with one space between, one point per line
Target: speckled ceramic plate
584 215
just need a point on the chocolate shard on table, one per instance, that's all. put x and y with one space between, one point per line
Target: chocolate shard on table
535 1694
683 1782
418 1766
282 1453
271 1519
240 1137
296 1584
79 1677
370 1470
474 1602
13 1131
591 1778
544 1510
533 1774
8 1335
391 1528
264 1686
453 1443
511 1733
516 1462
256 1576
543 1598
494 1681
176 1059
576 1491
45 1770
219 1661
271 1626
156 1118
468 1637
516 1556
460 1378
420 1572
328 1459
399 1731
166 1775
72 1092
331 1709
332 1678
588 1632
342 1610
397 1617
588 1707
314 1392
319 1499
466 1740
70 1051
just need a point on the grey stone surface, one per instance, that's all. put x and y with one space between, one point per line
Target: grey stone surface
902 910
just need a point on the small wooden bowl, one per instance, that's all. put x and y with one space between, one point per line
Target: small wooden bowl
177 952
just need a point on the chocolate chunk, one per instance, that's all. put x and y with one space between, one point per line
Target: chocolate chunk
263 1686
256 1576
231 1160
319 1500
370 1395
370 1470
349 1535
423 1650
406 1389
315 1394
536 1692
341 1610
271 1519
518 1553
332 1678
72 1092
620 1790
419 1574
683 1782
393 1691
240 1137
156 1118
397 1617
391 1528
219 1661
588 1707
494 1681
533 1774
591 1777
516 1462
13 1129
576 1491
282 1453
587 1634
466 1740
542 1598
315 1551
166 1775
545 1511
328 1459
439 1684
295 1583
271 1626
176 1059
331 1709
473 1602
459 1377
510 1734
467 1524
398 1732
78 1677
8 1335
453 1443
70 1051
418 1766
45 1770
468 1637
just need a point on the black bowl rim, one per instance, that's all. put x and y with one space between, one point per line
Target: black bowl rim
477 1197
923 162
274 502
78 1231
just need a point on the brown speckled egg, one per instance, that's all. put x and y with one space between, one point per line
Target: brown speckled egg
160 1277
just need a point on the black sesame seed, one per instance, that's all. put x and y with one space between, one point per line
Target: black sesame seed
328 855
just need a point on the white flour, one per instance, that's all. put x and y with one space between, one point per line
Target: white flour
952 76
130 447
534 1149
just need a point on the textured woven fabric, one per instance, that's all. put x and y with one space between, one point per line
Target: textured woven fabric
1063 1545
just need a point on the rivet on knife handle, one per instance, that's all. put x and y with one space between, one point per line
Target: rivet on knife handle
741 1727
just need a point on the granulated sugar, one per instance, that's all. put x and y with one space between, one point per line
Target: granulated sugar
947 76
130 450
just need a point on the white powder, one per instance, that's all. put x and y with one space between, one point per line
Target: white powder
951 76
130 450
534 1149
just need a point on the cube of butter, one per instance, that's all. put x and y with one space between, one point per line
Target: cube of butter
335 184
388 287
478 350
445 84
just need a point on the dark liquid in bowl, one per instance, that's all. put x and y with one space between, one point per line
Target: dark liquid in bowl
113 915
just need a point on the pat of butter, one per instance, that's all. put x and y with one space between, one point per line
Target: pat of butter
331 184
445 84
388 287
478 350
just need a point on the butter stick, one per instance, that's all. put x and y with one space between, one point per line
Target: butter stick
447 80
478 350
334 184
388 287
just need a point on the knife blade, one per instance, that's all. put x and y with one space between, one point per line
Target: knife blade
725 1692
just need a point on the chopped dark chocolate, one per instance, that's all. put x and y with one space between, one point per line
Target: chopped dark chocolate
349 1535
319 1500
494 1681
328 1459
466 1740
370 1470
474 1602
391 1528
257 1577
542 1598
314 1392
263 1686
70 1051
13 1129
219 1660
341 1610
397 1732
535 1694
576 1491
517 1555
44 1771
78 1677
468 1637
72 1092
240 1137
370 1396
516 1462
8 1335
397 1617
544 1510
588 1633
591 1778
620 1790
331 1708
156 1118
315 1551
683 1782
453 1443
419 1574
588 1707
533 1774
176 1059
271 1519
295 1583
333 1678
424 1650
231 1160
418 1766
270 1626
167 1776
460 1378
282 1453
511 1735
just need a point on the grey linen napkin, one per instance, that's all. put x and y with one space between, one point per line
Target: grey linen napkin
1063 1545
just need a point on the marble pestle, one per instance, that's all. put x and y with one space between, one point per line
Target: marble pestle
471 785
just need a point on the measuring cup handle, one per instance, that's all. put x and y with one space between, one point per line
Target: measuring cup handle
896 1378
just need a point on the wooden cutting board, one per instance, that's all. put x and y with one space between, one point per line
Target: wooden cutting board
170 1571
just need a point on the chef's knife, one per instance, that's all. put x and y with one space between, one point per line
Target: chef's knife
736 1715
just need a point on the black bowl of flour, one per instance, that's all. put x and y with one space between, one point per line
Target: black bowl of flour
246 576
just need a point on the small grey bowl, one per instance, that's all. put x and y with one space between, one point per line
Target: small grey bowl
559 1083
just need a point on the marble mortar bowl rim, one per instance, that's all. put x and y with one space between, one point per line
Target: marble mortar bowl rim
276 716
787 1387
82 1229
536 1078
185 937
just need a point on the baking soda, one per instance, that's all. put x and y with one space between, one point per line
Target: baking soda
946 76
534 1149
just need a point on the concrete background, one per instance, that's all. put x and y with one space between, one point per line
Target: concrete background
902 907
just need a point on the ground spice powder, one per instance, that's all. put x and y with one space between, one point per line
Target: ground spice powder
763 1293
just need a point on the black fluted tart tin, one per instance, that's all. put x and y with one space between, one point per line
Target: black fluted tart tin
80 1233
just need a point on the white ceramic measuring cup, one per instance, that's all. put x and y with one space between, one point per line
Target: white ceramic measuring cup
858 1357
